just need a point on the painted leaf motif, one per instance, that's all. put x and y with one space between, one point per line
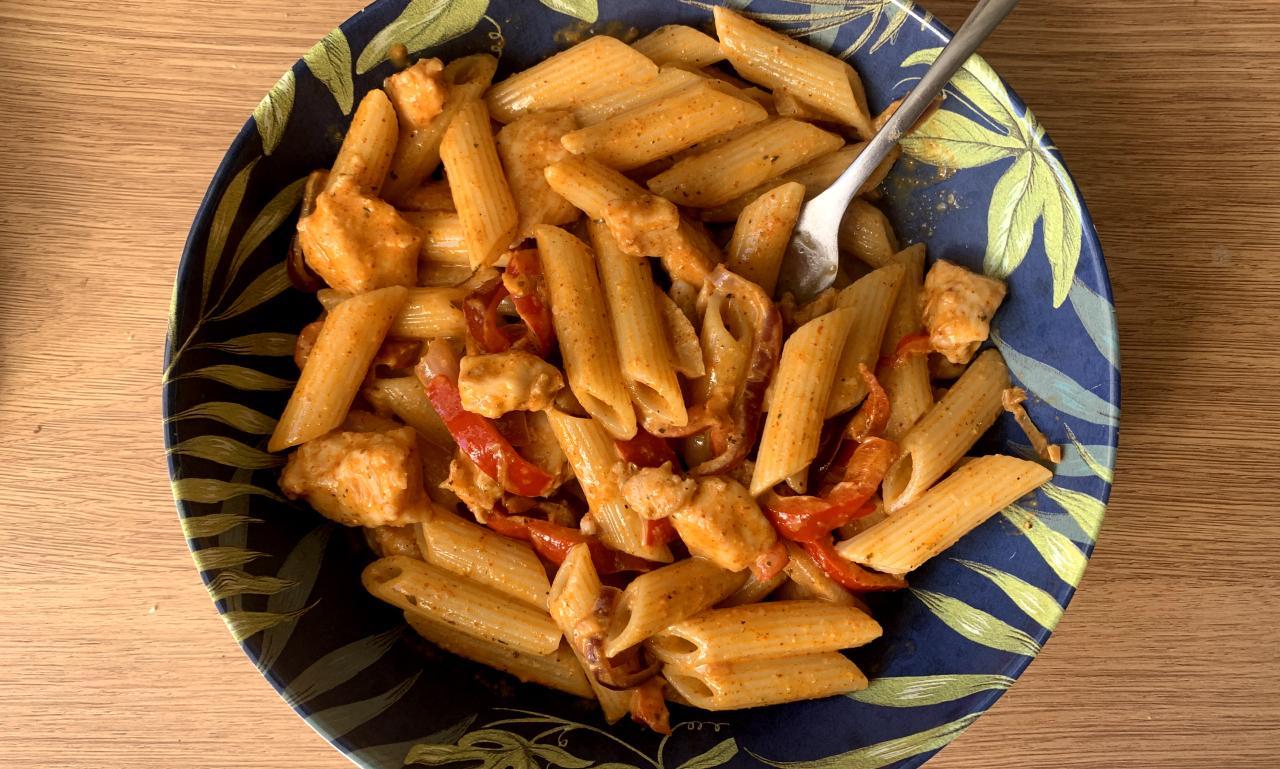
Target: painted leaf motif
302 566
1098 318
240 417
916 691
422 24
977 625
214 524
339 666
587 10
338 720
209 558
237 536
716 756
233 582
1056 388
1066 560
330 61
1061 224
238 377
268 343
438 755
211 490
227 451
1034 602
950 140
558 756
272 113
273 282
888 752
979 85
244 624
1099 459
1011 219
223 217
395 754
1086 510
266 222
1073 464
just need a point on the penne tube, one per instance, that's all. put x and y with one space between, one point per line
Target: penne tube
429 196
590 185
559 670
723 173
762 631
437 275
936 520
480 192
806 580
575 594
686 350
678 44
863 124
872 299
754 590
760 682
865 232
761 235
427 313
404 397
527 146
777 62
787 105
658 599
426 590
582 326
473 551
946 431
588 71
801 388
668 81
592 454
646 363
366 151
444 239
907 381
336 367
417 154
663 127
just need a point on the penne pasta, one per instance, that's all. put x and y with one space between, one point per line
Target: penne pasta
872 299
773 629
427 313
865 233
444 239
937 519
762 233
337 365
678 44
480 192
582 325
663 126
660 598
669 80
473 551
801 389
760 682
527 146
947 430
906 381
429 196
559 670
682 339
426 590
404 397
754 590
365 155
808 581
588 71
723 173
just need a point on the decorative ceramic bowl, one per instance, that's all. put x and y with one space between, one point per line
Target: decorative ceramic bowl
981 184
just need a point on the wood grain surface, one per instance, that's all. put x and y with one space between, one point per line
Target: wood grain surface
113 116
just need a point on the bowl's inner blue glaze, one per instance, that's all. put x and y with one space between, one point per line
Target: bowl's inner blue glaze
982 185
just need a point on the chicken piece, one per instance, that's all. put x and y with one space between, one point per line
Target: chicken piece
542 449
716 517
958 307
360 478
359 243
527 146
492 385
651 226
387 541
417 92
469 483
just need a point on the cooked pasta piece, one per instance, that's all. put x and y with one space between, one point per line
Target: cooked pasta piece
759 682
906 379
527 146
682 339
429 196
808 581
587 71
646 363
762 233
663 597
663 127
559 670
755 589
582 325
480 191
365 155
427 313
668 81
404 397
801 389
433 592
725 172
337 365
865 232
473 551
444 239
937 519
872 299
947 430
678 44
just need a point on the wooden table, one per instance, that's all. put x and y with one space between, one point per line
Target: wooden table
114 116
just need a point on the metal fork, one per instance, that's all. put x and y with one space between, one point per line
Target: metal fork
812 256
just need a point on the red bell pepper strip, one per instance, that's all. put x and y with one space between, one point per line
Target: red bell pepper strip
480 309
872 417
524 280
911 344
770 562
476 435
553 542
808 518
658 532
848 573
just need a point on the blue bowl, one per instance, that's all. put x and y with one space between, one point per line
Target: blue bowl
986 188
